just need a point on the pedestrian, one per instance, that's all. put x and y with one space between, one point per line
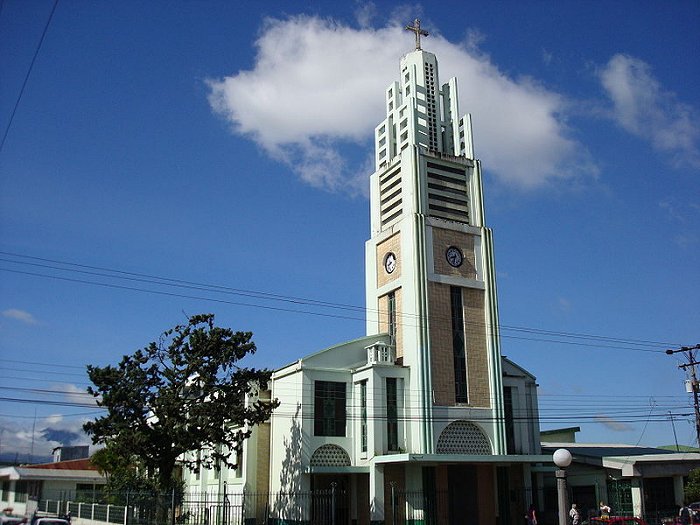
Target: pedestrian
574 515
531 515
604 511
684 515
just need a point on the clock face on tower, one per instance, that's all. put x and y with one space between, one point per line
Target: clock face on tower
390 262
454 256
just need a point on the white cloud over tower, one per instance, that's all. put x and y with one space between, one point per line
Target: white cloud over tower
317 86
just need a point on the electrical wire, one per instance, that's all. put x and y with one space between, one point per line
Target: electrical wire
82 367
567 338
661 417
29 71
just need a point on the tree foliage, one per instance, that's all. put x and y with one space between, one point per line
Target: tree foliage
692 486
125 474
183 393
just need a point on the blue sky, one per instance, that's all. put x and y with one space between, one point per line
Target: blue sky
230 146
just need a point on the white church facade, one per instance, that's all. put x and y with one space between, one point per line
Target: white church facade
421 420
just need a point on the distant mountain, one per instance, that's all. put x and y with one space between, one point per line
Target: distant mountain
10 458
65 437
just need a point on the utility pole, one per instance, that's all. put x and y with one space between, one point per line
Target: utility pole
689 352
675 437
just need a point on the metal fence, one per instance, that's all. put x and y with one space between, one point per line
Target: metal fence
86 511
319 507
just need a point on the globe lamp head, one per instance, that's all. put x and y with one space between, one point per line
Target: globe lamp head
562 458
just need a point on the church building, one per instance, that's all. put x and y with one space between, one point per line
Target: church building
422 420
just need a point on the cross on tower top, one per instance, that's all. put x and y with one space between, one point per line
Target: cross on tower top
418 31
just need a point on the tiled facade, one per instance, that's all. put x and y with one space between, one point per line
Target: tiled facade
262 475
477 356
442 240
441 351
390 245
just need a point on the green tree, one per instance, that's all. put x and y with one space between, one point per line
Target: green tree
692 486
125 474
185 392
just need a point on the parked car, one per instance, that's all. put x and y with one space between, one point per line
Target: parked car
50 521
695 509
8 519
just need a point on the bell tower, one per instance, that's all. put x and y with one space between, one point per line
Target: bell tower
430 278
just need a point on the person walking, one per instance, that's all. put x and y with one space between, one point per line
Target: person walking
684 514
531 515
574 515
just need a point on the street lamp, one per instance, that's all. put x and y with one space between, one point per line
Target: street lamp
562 459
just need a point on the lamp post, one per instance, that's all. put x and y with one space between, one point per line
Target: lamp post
562 459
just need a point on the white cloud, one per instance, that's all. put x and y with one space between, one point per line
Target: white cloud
317 86
643 108
54 419
19 315
75 394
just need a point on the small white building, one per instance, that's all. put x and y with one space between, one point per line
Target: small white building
61 480
633 480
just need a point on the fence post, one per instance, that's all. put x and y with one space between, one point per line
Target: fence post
172 507
394 521
126 509
108 506
333 485
225 506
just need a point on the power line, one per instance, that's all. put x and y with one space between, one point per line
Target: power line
599 414
41 364
661 417
579 339
197 285
50 372
48 402
42 380
182 296
153 279
590 405
47 391
26 78
78 414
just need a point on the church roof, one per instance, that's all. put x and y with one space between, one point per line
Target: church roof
73 464
347 355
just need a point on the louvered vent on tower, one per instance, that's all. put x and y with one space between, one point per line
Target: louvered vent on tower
447 192
390 198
